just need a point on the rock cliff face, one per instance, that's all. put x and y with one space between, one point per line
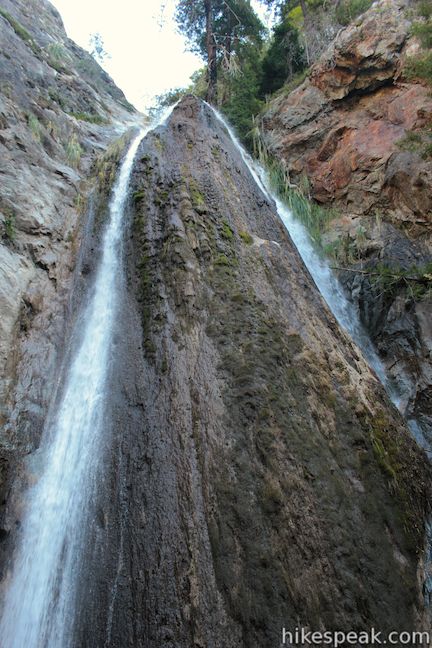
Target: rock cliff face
259 476
58 112
346 128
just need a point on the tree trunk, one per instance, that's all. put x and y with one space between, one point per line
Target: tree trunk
211 55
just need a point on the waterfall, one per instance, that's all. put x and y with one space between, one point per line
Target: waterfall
325 280
38 609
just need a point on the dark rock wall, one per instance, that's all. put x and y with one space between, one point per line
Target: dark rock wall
254 474
263 477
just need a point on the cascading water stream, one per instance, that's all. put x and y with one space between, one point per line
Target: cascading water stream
38 609
342 309
325 280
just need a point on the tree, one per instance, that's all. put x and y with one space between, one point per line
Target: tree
216 29
283 59
195 20
211 52
242 96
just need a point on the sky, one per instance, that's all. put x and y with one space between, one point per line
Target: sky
147 54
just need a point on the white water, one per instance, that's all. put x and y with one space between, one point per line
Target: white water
38 609
326 282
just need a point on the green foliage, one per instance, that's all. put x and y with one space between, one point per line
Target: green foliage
74 151
347 10
419 67
218 31
92 118
241 92
233 24
427 151
227 232
167 99
139 195
170 97
295 82
410 141
55 96
198 86
417 280
246 238
89 68
424 9
423 31
57 51
313 216
197 197
417 142
222 260
20 31
284 58
9 224
58 56
35 126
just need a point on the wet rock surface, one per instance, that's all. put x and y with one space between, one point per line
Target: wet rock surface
347 128
260 478
58 113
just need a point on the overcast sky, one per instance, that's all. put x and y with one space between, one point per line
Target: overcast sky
147 55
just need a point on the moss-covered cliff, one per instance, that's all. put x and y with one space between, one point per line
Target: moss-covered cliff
263 477
255 474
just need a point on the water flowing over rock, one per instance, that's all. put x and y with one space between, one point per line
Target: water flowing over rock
58 112
344 129
247 470
257 456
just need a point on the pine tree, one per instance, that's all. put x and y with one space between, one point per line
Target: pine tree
195 20
217 30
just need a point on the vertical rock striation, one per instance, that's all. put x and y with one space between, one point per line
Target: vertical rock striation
261 478
58 113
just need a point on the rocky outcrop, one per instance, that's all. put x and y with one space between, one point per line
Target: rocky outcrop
58 113
260 477
351 128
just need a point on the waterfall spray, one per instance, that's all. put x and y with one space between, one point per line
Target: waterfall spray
38 609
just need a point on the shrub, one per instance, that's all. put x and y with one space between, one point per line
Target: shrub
20 31
92 118
417 280
74 151
410 142
419 67
58 56
417 142
424 9
246 238
35 126
9 224
313 216
284 58
350 9
423 31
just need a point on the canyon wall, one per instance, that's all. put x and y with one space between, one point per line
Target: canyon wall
358 130
255 473
260 477
58 113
